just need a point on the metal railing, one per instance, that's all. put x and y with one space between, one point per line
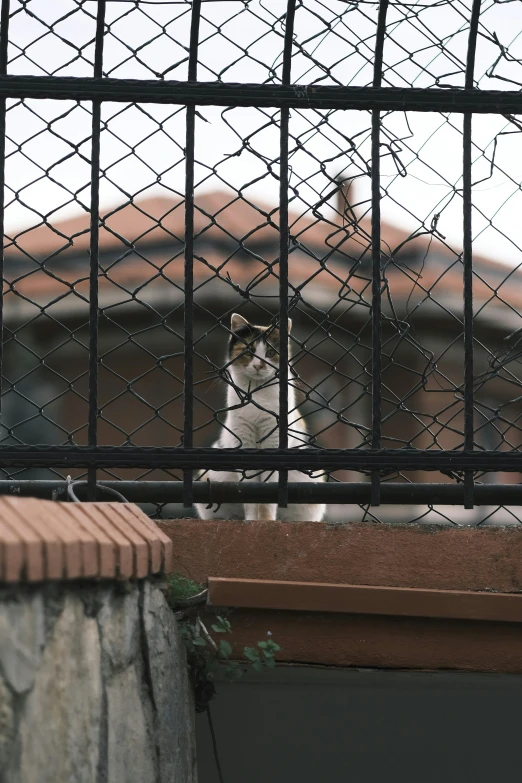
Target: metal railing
165 474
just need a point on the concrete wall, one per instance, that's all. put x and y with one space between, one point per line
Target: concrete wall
93 686
309 725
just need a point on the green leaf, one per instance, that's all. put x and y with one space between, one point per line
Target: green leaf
225 649
269 645
270 663
251 653
257 666
199 641
222 625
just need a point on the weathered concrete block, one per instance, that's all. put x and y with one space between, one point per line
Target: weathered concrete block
131 757
6 725
119 627
60 722
170 688
93 687
22 639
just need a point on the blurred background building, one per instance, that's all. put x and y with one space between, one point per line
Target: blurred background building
236 253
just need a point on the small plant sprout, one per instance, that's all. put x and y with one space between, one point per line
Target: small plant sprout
180 590
207 655
263 655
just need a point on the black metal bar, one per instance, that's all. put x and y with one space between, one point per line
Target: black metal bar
468 306
376 252
4 43
298 492
472 44
94 251
188 378
4 36
283 253
299 96
258 459
467 260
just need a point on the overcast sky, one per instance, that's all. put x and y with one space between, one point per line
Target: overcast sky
421 166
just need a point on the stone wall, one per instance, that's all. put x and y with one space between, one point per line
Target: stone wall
93 686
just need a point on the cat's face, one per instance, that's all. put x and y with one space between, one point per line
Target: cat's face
253 352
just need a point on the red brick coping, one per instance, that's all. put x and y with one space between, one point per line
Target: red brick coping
43 539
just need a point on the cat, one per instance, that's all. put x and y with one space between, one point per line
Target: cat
253 403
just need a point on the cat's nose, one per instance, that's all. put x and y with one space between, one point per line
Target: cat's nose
259 366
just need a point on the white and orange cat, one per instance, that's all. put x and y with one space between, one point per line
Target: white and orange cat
251 421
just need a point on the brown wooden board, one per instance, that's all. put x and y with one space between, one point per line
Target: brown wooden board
397 601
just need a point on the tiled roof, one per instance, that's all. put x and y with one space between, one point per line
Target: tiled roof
221 216
41 539
218 216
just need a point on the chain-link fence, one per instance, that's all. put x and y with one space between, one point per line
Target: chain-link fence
182 178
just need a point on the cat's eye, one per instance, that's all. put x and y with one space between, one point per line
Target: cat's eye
270 353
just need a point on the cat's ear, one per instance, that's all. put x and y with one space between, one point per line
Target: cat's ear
289 325
237 322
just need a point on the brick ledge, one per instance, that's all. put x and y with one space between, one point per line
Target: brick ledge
48 540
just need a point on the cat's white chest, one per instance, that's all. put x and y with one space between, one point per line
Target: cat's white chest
256 428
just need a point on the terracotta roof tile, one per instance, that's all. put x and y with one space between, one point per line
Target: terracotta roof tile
31 543
150 221
123 564
106 561
44 524
149 536
88 544
222 215
139 546
12 553
166 546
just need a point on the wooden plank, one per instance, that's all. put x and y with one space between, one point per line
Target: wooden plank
364 599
